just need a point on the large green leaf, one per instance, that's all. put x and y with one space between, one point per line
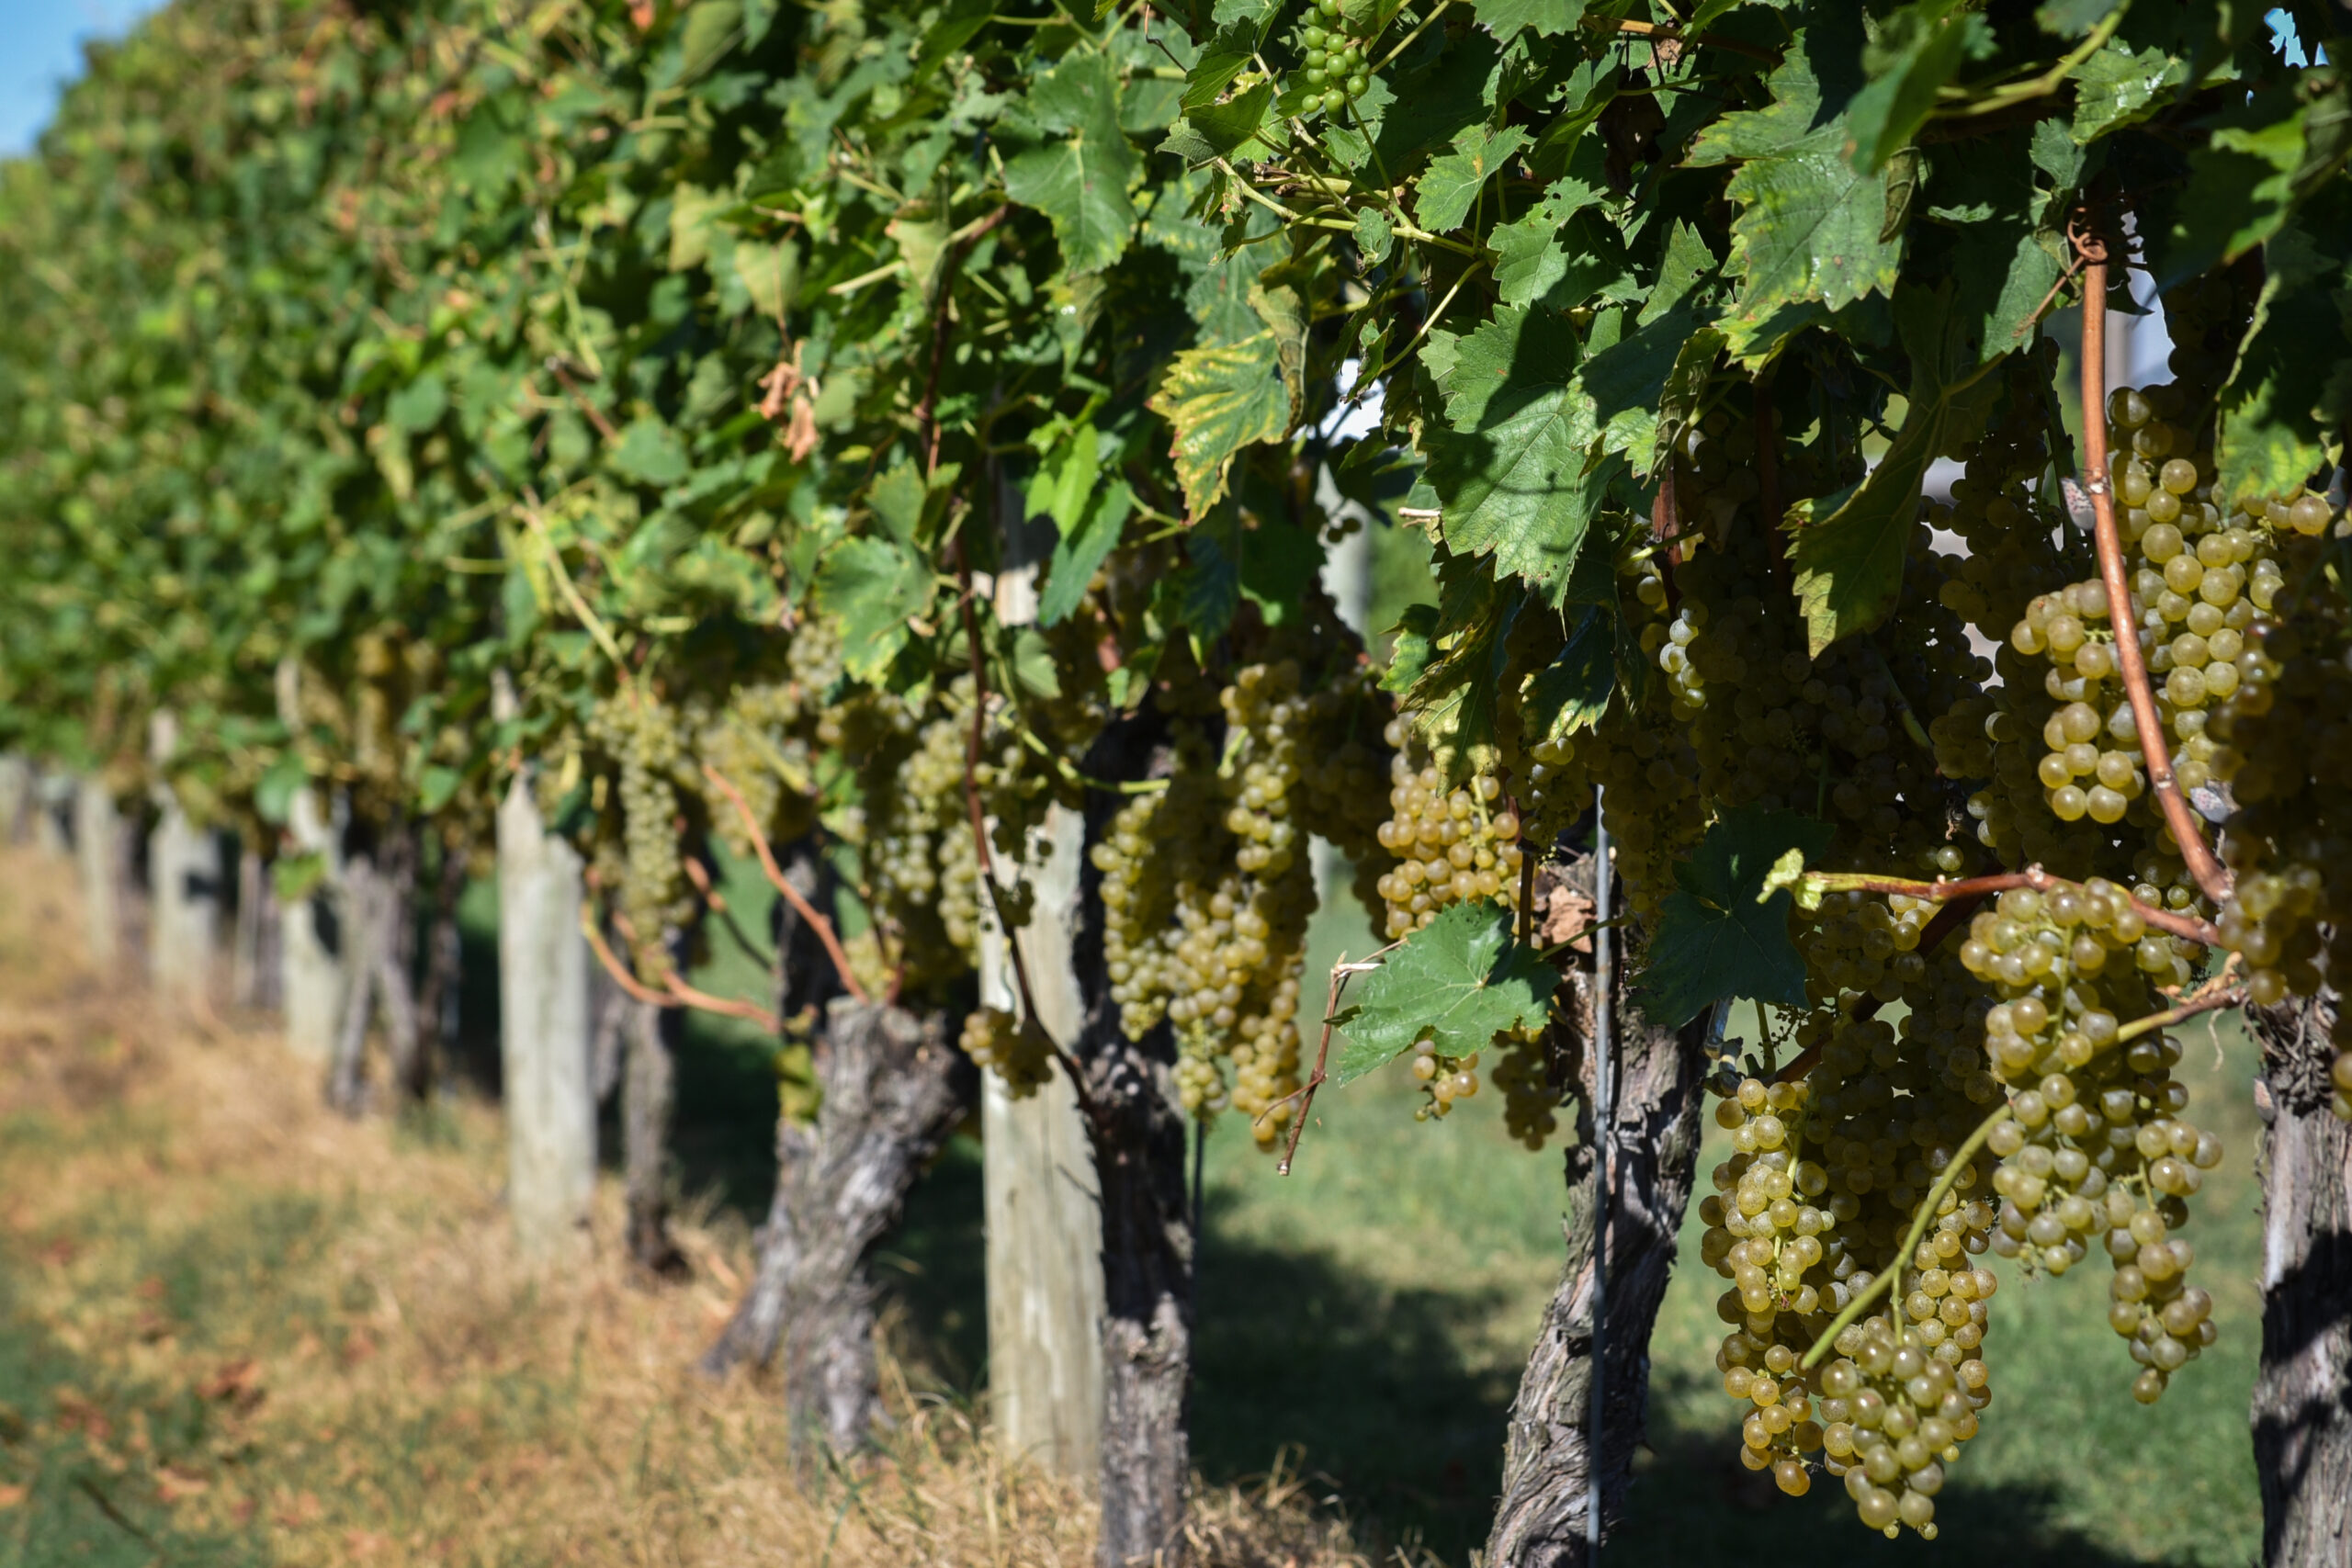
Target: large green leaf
1720 935
2120 86
1809 228
1078 183
1459 981
1512 463
2284 413
1444 195
874 587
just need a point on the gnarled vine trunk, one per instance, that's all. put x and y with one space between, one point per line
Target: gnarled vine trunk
379 880
894 1088
2302 1393
1548 1460
1147 1241
648 1091
892 1091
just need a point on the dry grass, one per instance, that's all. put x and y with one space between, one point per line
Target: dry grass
256 1332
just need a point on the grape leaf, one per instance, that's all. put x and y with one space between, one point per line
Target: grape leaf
1916 51
2276 149
1505 18
1444 195
1221 398
874 586
2283 415
1231 130
1082 549
649 453
418 407
1529 259
1573 690
1510 464
1724 933
2120 85
1459 981
1080 184
1808 229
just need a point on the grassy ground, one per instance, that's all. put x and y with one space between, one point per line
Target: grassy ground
234 1331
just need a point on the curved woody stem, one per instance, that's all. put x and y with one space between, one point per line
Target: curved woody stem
2213 879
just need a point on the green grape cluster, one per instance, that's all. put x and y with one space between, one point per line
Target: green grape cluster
1530 1099
2290 721
1451 845
911 823
1443 1080
2095 1144
1016 1049
1335 63
647 737
1895 1414
1206 891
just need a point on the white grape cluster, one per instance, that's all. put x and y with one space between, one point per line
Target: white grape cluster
1206 892
2097 1145
1450 845
645 735
1016 1049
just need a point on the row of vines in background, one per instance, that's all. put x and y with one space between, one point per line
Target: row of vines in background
866 426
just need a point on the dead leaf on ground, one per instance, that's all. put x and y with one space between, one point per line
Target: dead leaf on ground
13 1494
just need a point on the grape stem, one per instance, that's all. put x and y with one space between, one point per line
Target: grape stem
2171 921
1341 972
1887 1277
1670 33
2132 665
792 895
677 993
2203 1001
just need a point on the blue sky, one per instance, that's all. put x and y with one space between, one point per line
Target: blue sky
40 50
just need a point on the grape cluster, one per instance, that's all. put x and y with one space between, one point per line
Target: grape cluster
1336 65
1530 1099
1443 1079
1895 1414
1452 844
2095 1144
1207 891
2291 721
646 737
1016 1049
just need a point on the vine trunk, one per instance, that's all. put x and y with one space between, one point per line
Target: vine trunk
2302 1393
1548 1454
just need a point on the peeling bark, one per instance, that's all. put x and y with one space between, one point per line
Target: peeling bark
893 1089
1148 1240
646 1098
1547 1461
379 879
2302 1393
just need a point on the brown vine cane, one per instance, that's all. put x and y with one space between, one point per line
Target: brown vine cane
2131 663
